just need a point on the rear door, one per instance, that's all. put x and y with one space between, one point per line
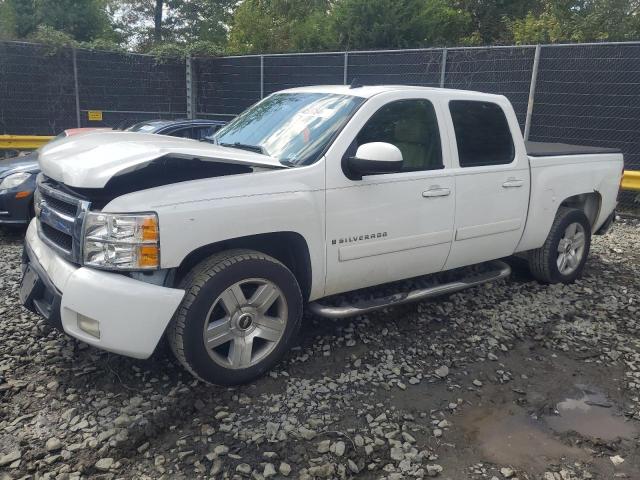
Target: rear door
491 173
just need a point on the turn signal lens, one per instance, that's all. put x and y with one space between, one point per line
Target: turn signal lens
23 194
148 256
150 229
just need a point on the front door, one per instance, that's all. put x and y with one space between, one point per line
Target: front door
389 227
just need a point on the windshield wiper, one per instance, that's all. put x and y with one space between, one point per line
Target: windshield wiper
246 146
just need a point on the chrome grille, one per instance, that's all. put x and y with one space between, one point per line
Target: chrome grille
60 219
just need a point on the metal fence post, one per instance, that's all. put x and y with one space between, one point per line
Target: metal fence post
532 92
261 76
191 88
443 67
75 86
346 68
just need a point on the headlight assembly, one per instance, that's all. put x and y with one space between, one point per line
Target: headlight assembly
115 241
14 180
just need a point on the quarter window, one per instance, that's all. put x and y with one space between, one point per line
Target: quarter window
410 125
482 133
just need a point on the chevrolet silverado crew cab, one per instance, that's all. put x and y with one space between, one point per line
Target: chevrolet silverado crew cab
310 193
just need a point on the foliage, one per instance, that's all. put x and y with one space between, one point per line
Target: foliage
212 27
579 21
361 24
279 26
81 20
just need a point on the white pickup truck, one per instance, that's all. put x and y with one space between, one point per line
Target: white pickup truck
310 193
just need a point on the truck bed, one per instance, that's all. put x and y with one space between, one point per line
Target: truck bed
546 149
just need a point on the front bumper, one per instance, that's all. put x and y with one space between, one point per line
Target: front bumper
131 315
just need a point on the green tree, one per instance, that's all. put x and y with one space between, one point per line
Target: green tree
579 21
362 24
491 18
81 20
280 26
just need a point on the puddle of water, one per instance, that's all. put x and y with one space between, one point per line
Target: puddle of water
506 435
593 416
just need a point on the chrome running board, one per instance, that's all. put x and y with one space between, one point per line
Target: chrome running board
499 270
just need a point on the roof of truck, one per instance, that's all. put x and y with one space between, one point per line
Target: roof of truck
370 91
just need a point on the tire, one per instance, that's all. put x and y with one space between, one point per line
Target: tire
249 307
546 263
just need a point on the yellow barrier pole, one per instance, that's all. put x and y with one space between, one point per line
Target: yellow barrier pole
631 180
23 142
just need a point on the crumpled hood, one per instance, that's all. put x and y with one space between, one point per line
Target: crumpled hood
91 160
25 163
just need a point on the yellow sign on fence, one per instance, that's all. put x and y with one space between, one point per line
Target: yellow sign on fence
95 115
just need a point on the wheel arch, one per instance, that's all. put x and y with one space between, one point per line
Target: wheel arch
288 247
589 203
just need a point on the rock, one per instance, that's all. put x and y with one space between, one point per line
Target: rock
244 468
284 469
323 471
616 460
143 448
434 470
216 468
324 446
104 464
442 371
306 433
53 444
269 470
220 450
339 448
10 457
122 421
397 454
437 432
507 472
353 466
477 383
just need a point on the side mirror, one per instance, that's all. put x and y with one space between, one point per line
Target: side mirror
374 158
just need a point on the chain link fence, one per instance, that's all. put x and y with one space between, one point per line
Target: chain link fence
580 93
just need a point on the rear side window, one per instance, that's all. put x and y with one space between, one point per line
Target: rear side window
482 133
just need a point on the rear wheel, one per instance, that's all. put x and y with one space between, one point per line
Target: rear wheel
562 257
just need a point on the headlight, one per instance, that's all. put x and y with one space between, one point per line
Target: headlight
14 180
117 241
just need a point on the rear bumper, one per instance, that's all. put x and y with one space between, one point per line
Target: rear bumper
130 316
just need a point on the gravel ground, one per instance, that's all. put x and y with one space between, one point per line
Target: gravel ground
510 380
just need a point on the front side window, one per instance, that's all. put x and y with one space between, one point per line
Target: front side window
295 128
482 133
410 125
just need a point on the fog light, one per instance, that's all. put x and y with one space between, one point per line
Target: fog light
89 325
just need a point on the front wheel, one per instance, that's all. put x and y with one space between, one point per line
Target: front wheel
562 257
241 312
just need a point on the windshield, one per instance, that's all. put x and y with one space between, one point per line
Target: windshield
295 128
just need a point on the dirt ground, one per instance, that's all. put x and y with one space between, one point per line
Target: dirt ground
509 380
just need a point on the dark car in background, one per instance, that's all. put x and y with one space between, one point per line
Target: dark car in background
18 174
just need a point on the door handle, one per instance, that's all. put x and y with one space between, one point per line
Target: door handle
513 182
436 192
